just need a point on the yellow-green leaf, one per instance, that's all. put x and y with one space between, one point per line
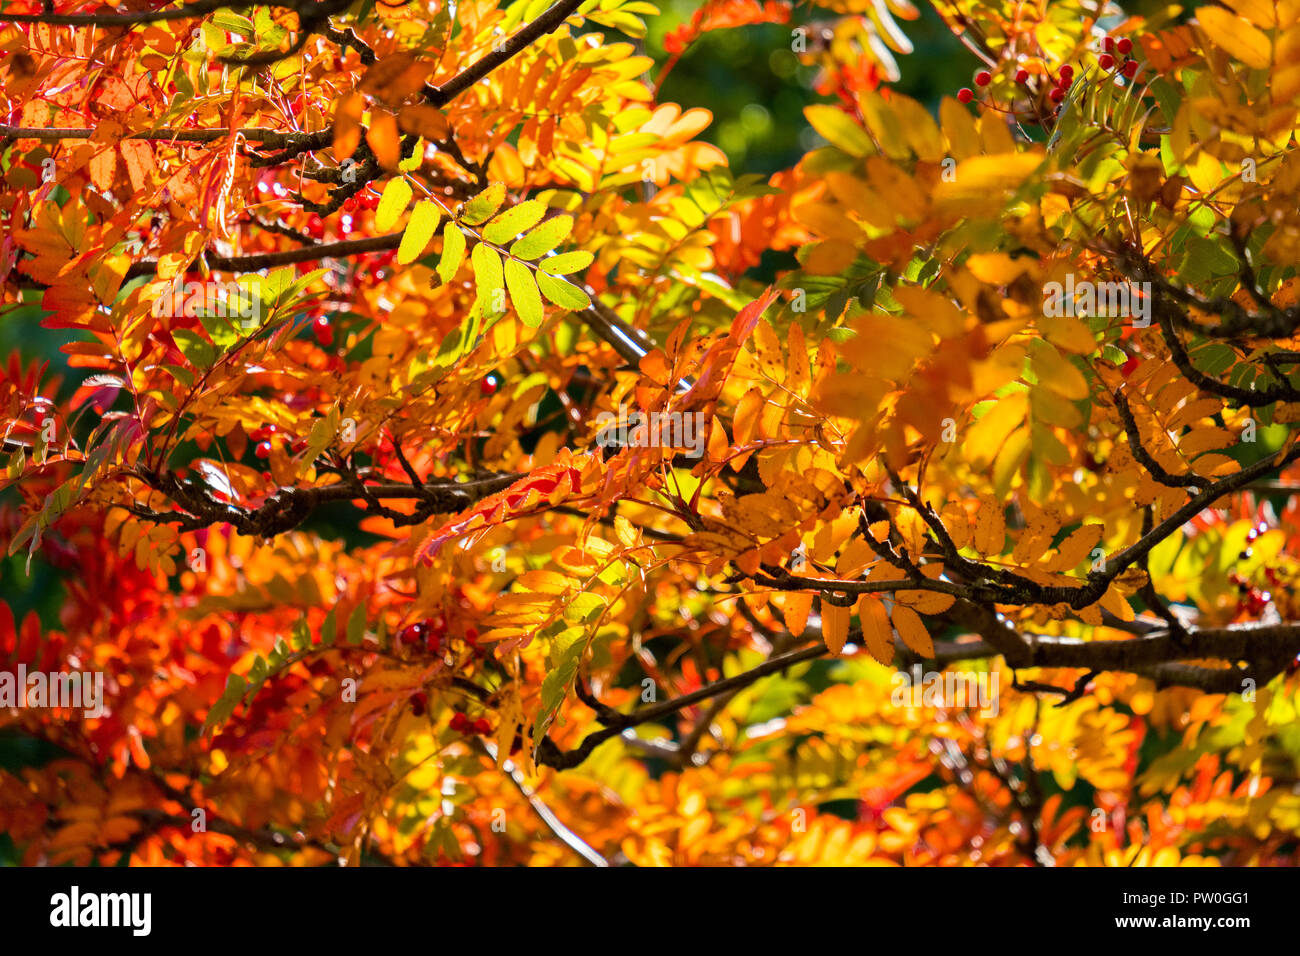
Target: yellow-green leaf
396 197
453 252
487 270
839 129
566 263
543 239
523 293
483 206
514 221
419 232
564 294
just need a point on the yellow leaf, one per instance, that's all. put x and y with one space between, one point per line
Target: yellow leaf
1068 333
986 437
1236 36
958 129
957 523
1114 602
1076 547
1057 373
839 129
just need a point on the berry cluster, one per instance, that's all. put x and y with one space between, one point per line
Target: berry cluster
1124 47
429 633
463 725
1065 76
263 437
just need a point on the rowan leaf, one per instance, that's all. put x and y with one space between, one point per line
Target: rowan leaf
523 293
419 232
393 202
564 294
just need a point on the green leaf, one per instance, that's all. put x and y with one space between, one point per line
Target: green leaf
523 292
514 221
233 22
194 347
453 252
328 629
564 294
357 625
219 329
543 239
419 232
396 197
483 206
566 652
225 705
566 263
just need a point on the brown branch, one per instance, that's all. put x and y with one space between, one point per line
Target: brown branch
186 11
548 22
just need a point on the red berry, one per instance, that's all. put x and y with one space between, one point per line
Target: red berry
488 386
471 637
263 450
315 225
350 204
1110 44
460 723
1064 82
419 702
1057 95
1130 69
481 726
1106 61
965 95
324 333
299 446
1022 76
411 633
1125 46
983 78
1067 72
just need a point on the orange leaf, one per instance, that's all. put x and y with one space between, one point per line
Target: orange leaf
835 625
912 630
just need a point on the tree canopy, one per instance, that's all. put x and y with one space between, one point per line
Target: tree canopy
443 453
